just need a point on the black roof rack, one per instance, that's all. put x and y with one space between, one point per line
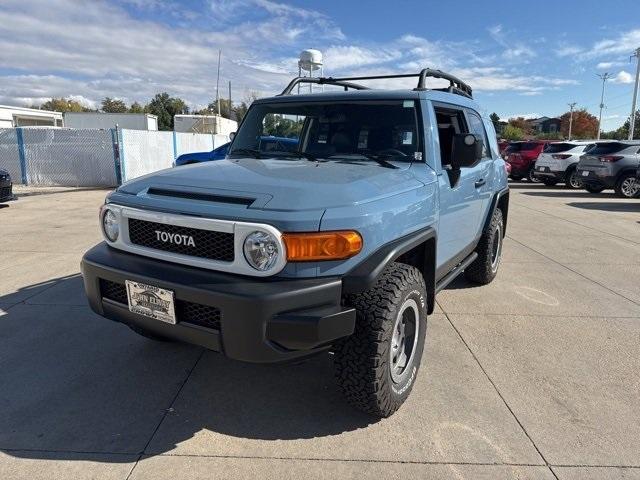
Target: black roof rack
456 85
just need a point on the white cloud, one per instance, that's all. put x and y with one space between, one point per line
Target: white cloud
514 51
341 57
568 50
622 77
608 65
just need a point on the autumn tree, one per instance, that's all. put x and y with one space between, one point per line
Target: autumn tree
584 125
522 124
63 105
113 105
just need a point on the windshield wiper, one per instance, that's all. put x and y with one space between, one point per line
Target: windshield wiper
379 158
298 154
248 151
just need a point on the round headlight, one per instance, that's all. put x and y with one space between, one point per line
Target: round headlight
110 225
261 250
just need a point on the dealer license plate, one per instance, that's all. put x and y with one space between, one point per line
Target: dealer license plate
152 302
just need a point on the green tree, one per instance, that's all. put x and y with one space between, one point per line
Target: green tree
165 107
511 132
136 108
113 105
278 126
63 105
226 109
495 118
622 133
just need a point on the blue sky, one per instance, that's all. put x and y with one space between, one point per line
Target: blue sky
521 59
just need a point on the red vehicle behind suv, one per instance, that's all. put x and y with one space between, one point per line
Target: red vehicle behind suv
522 156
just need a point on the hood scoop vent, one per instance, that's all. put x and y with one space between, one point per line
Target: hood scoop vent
206 197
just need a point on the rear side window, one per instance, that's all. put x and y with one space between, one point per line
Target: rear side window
477 128
607 148
558 147
529 146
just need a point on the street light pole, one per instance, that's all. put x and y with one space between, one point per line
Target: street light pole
218 83
632 121
571 106
605 76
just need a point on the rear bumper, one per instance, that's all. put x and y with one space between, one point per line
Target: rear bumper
550 175
262 321
597 178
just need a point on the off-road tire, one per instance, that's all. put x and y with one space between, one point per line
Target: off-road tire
150 335
622 190
484 268
592 189
363 362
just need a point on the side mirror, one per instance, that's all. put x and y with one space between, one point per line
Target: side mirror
232 135
466 150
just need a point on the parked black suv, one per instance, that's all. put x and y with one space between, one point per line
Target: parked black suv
6 186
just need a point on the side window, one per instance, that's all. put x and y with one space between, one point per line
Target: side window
477 128
450 122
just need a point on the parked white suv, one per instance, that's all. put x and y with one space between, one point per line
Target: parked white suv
557 163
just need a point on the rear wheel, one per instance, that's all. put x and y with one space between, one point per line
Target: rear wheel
573 179
627 186
593 188
484 268
376 367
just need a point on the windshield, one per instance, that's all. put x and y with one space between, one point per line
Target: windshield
520 146
607 148
558 147
348 130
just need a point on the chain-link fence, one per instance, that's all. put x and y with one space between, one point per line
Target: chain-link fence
90 157
73 158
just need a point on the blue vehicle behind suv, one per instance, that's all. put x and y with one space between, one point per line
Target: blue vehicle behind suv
266 143
338 245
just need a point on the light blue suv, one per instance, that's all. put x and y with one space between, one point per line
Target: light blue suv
337 246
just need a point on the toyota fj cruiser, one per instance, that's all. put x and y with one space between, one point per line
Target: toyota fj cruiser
337 246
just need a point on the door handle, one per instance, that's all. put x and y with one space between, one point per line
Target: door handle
480 182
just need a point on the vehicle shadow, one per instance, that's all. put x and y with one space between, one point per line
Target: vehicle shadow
74 382
608 206
571 194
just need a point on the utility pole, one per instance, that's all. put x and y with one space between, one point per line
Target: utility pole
632 121
571 106
604 77
230 104
218 83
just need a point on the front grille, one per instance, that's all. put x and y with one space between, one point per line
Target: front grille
208 244
188 312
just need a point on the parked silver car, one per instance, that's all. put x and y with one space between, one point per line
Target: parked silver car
557 163
611 165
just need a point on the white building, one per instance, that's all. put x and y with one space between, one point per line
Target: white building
204 124
28 117
132 121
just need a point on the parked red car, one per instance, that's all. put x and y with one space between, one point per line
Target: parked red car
522 156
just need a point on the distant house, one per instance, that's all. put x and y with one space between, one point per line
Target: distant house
544 125
204 124
28 117
132 121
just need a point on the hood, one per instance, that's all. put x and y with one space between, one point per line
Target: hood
285 184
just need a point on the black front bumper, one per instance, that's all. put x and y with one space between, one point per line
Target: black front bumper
264 321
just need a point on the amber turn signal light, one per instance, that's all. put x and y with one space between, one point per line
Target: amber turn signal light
318 246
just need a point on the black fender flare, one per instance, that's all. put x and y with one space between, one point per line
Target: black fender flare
364 275
501 197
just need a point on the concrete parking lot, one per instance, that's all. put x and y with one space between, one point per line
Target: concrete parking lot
536 376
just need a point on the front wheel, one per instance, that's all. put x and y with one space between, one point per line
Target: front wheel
627 186
484 268
377 366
